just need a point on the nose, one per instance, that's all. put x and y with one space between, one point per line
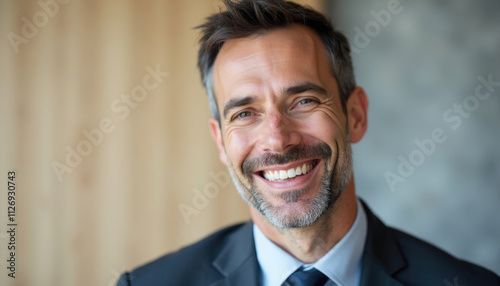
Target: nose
278 133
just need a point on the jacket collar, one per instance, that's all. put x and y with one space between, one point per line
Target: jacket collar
382 257
237 259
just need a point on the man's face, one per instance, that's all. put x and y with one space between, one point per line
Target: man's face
283 133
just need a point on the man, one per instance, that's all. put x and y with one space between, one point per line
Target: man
285 110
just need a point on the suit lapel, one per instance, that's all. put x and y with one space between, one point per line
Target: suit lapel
373 273
382 257
237 260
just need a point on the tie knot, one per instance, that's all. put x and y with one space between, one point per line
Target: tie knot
311 277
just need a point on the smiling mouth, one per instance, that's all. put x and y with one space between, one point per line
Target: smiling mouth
283 175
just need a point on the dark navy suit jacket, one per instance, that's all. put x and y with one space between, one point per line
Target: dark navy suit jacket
390 257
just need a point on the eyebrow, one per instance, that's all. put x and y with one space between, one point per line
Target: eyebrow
304 87
236 102
296 89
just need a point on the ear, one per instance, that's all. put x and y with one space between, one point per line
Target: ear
357 114
217 136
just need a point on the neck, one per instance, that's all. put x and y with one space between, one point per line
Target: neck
308 244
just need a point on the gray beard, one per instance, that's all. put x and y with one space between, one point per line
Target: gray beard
333 183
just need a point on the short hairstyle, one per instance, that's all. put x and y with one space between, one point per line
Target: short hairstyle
252 17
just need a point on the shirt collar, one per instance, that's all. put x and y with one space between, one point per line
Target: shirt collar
341 264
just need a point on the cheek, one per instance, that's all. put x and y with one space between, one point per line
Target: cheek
239 144
324 127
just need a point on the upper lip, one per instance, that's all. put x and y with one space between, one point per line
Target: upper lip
287 166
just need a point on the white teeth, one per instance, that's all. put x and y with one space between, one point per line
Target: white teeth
286 174
298 171
270 175
283 175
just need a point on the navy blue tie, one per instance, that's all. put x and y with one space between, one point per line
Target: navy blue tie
311 277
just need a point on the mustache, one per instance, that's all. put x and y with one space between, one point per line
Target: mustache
298 152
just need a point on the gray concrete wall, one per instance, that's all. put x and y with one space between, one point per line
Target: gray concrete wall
423 65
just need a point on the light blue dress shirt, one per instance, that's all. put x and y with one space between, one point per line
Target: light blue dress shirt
341 264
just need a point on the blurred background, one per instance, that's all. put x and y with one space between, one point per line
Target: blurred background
105 121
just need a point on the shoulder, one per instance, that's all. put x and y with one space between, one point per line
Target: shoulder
193 262
425 261
412 261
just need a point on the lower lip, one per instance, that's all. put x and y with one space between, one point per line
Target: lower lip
297 183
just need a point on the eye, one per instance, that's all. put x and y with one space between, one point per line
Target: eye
243 115
304 101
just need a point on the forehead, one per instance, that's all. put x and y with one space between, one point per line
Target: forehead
278 57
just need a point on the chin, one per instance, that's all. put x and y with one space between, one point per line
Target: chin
297 214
